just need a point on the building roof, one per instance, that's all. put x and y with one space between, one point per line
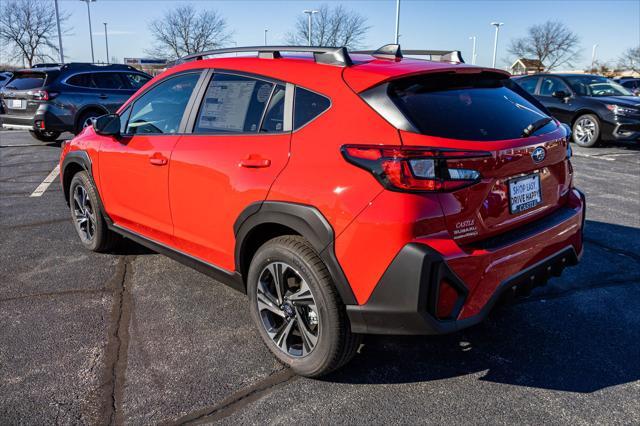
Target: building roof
529 63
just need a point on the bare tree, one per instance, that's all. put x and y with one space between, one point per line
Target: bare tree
28 28
630 59
337 26
183 31
552 43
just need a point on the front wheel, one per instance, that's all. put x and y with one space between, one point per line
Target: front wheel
87 215
297 309
45 135
586 130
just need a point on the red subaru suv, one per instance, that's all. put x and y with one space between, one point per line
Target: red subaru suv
345 194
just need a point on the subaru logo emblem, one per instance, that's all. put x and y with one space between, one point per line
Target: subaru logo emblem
538 154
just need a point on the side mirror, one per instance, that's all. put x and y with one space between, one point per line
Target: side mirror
107 125
561 94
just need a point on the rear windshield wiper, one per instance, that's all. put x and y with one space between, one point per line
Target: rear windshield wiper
536 125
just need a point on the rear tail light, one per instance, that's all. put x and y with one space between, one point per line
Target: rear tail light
42 95
414 169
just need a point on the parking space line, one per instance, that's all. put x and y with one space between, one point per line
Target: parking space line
46 182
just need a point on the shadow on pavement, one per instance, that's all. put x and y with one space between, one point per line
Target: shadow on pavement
580 333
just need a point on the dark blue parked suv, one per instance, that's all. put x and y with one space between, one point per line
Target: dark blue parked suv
65 98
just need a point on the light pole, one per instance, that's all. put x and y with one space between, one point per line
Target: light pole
397 21
266 30
593 56
495 42
473 55
90 30
106 40
59 33
310 13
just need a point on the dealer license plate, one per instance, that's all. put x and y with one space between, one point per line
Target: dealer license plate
524 193
16 104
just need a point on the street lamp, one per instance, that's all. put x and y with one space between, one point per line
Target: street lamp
397 21
593 56
310 13
473 55
266 30
106 40
59 33
90 30
495 42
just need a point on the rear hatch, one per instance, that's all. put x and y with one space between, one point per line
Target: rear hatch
511 153
24 92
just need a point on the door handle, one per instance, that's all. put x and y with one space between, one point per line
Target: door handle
255 161
103 96
158 159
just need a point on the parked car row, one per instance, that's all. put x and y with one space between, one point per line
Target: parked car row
595 107
50 99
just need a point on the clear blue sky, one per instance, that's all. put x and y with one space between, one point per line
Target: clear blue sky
445 24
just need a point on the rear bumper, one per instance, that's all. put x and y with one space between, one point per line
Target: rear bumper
405 300
52 121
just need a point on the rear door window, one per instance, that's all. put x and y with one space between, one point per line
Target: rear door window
81 80
478 107
528 84
307 106
108 80
27 81
550 85
136 81
233 104
160 110
273 120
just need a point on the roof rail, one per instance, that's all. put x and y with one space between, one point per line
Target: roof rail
80 65
388 51
323 55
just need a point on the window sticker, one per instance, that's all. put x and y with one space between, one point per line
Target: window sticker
226 104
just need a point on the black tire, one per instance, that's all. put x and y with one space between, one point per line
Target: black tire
85 118
46 136
586 130
335 345
97 237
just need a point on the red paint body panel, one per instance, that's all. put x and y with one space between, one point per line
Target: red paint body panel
209 189
135 191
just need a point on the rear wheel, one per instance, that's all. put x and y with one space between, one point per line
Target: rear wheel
297 309
586 130
87 215
45 135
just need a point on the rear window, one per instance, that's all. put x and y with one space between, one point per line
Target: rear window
476 107
307 106
27 81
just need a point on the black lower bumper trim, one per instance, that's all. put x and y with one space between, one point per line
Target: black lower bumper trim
399 303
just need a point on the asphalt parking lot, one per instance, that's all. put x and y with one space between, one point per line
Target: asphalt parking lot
135 337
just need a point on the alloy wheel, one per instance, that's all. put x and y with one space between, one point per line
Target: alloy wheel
88 122
84 214
585 130
288 309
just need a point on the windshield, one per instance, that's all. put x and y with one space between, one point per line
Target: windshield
589 85
468 107
26 81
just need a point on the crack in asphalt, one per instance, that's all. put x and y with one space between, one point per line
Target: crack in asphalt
615 250
238 400
617 282
36 224
117 348
56 293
